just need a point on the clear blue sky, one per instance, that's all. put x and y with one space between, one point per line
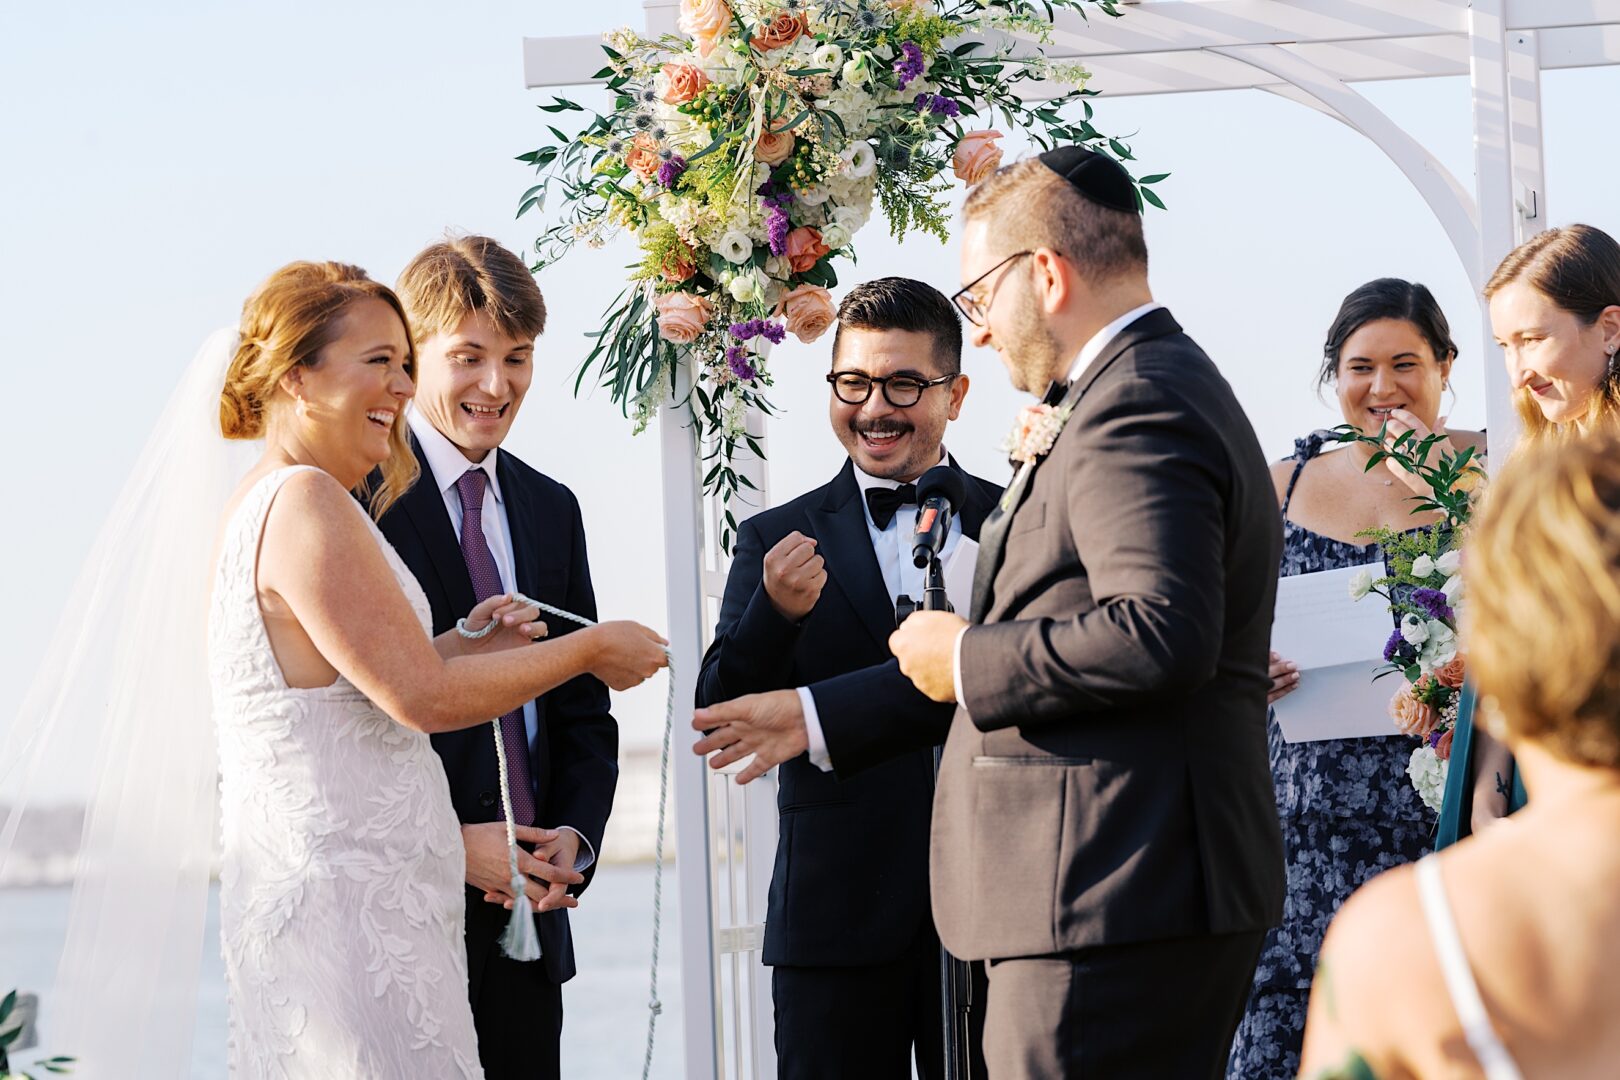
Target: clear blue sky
161 161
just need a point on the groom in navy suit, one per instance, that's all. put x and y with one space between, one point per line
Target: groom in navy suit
478 514
801 662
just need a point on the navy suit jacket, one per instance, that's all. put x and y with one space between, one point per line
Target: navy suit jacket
576 748
850 885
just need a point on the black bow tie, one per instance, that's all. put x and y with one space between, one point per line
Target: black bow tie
883 502
1055 393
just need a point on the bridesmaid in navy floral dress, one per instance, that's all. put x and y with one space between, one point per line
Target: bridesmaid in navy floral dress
1347 808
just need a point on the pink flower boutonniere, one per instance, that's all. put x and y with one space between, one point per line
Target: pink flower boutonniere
1034 432
1030 440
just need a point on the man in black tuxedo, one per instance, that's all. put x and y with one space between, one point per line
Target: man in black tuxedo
1104 831
801 642
475 312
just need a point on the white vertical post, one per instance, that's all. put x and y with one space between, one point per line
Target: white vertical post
1498 214
683 502
1524 131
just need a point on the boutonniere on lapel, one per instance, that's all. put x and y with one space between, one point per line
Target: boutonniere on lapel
1031 439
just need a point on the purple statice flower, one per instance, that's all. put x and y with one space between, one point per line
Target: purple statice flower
773 332
742 331
1434 737
737 361
910 64
1433 603
671 170
1392 647
776 229
937 105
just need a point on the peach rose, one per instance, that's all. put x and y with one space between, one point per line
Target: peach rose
805 249
1442 749
678 265
642 157
1411 716
808 310
1451 674
784 29
773 147
976 157
685 83
682 316
707 21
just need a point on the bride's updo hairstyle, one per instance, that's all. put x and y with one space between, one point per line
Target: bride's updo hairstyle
287 321
1542 624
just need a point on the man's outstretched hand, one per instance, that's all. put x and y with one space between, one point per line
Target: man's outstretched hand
769 726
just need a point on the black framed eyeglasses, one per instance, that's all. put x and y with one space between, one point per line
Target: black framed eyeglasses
976 310
902 391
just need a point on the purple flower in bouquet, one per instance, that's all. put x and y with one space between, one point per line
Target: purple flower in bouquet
937 104
671 170
777 225
771 331
910 64
737 361
1394 646
1434 604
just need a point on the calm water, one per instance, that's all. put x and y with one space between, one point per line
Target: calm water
605 1005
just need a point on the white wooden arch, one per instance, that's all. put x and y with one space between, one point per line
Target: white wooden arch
1310 51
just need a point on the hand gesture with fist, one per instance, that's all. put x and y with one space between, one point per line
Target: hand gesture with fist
794 576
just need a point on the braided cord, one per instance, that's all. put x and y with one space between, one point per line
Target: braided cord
654 1005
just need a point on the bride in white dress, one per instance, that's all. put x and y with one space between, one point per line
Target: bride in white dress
341 897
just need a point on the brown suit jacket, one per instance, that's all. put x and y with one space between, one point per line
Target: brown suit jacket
1105 780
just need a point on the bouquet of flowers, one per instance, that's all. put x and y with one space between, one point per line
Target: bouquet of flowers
1424 590
745 157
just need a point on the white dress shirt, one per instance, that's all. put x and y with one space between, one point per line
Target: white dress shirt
1088 352
899 576
446 465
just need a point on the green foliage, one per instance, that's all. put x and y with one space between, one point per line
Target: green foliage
10 1033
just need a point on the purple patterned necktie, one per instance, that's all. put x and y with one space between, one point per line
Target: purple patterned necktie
486 582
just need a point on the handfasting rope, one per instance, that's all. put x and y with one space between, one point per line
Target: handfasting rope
520 941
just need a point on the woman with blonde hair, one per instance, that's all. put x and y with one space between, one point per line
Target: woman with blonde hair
1500 957
1555 311
341 855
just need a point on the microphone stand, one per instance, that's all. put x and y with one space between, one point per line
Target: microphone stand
956 988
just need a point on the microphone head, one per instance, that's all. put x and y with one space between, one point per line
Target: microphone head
941 481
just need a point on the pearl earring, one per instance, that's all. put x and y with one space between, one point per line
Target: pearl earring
302 410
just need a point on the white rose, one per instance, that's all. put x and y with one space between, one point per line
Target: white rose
1360 584
1422 566
778 266
835 236
1414 630
735 247
815 195
1453 588
748 288
860 159
829 56
1449 563
850 218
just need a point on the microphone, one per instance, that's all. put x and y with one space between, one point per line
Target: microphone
939 493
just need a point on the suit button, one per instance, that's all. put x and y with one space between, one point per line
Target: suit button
486 798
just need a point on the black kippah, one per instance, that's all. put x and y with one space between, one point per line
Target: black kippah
1096 176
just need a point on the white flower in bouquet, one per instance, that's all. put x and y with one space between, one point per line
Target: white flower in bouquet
735 247
858 68
860 160
1428 775
748 288
835 235
1361 582
1449 563
815 195
1414 630
1439 647
854 215
1453 588
1422 566
829 56
778 267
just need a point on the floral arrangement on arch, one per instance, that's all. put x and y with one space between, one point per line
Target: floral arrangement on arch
745 157
1423 586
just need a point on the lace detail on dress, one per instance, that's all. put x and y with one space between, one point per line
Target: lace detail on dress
341 895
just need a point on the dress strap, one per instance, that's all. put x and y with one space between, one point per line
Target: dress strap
1494 1059
1304 450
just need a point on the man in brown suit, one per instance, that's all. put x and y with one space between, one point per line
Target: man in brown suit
1104 832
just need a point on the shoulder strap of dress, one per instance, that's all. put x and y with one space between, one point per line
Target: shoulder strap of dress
1494 1059
1304 450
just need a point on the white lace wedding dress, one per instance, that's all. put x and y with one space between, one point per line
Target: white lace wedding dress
341 899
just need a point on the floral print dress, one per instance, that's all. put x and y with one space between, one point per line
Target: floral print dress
1348 813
